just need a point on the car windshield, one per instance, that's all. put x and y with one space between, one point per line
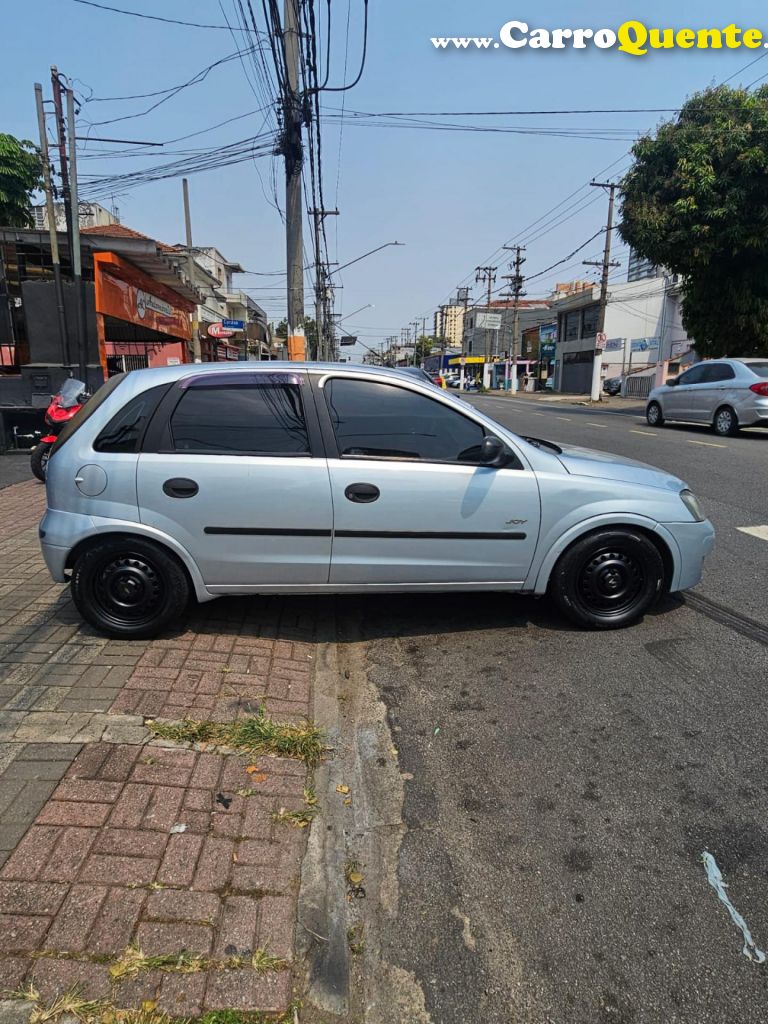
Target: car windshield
70 393
759 369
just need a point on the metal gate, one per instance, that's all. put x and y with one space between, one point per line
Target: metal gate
638 387
122 364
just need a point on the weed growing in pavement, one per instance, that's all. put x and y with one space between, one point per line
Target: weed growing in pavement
355 940
102 1011
133 961
257 734
299 819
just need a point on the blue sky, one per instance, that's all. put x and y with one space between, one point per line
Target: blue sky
452 197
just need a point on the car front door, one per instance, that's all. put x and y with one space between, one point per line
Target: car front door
233 468
680 401
412 504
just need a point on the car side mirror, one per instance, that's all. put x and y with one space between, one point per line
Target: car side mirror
493 452
673 382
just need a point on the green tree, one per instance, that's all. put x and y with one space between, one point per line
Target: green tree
696 202
20 175
310 331
424 346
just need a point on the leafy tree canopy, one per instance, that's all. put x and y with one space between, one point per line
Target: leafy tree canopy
20 176
696 202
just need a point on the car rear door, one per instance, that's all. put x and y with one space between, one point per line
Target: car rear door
233 468
413 506
720 385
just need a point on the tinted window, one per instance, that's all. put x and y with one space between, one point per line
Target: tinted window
381 421
86 411
590 322
125 431
572 324
693 376
760 369
719 371
267 419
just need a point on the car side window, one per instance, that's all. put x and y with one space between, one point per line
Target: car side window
240 419
374 420
125 430
695 375
720 372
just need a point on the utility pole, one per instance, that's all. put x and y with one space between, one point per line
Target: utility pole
76 253
606 265
62 143
196 353
293 152
516 286
321 289
488 275
53 234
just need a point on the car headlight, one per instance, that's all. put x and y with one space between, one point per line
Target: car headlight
691 502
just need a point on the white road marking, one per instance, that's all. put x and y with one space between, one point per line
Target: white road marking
708 444
603 426
645 433
568 418
761 532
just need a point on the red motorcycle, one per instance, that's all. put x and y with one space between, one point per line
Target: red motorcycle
70 400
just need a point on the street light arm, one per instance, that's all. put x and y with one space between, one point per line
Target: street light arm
364 256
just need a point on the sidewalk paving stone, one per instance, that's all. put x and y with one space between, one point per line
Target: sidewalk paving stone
92 852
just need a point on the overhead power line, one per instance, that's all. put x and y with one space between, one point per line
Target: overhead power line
149 17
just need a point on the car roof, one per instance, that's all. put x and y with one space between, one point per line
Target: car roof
166 374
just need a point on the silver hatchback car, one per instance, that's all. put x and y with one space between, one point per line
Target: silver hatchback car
727 394
285 478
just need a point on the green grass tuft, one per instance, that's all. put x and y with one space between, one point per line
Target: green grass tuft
257 734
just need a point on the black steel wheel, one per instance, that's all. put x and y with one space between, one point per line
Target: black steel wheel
38 460
653 415
129 587
608 579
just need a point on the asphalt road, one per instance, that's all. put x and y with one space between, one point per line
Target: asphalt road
562 786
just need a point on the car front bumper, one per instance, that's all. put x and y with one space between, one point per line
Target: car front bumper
694 542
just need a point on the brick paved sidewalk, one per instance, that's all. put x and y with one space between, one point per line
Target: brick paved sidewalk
109 838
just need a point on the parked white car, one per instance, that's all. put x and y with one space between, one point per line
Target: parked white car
725 393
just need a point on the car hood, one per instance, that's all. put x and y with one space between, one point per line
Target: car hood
587 462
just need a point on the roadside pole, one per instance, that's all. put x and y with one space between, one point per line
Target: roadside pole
196 352
76 254
292 150
52 232
517 293
62 144
597 366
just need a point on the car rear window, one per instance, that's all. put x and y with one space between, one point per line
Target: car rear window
760 369
85 413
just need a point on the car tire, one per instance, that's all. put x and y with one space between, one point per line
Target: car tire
726 422
38 460
130 588
654 417
609 579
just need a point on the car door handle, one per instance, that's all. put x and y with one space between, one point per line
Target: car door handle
362 494
180 487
